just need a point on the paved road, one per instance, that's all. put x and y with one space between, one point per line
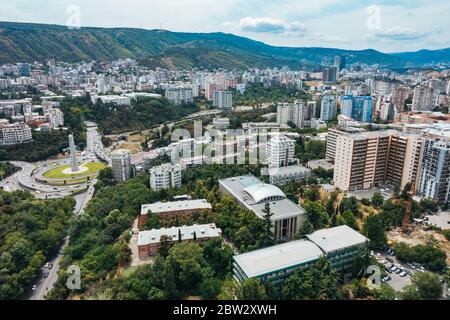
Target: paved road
44 285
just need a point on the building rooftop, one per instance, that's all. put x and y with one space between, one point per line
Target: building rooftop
288 170
260 192
268 260
249 190
187 233
162 207
337 238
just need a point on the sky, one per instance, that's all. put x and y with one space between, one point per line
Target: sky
384 25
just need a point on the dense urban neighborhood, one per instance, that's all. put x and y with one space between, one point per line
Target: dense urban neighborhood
122 180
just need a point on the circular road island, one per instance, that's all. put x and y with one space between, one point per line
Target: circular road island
62 175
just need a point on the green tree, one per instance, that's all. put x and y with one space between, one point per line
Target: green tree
306 228
374 230
269 237
318 282
316 214
362 262
250 289
186 260
425 286
385 292
377 200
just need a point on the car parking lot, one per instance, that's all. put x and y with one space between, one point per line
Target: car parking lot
398 275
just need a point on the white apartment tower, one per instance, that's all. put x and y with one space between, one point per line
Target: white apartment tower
280 151
165 177
435 170
328 108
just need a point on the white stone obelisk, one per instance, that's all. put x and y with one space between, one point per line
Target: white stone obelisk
73 154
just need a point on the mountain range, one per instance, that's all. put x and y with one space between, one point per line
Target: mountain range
27 42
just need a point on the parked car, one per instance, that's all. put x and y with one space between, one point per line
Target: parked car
393 269
50 266
387 278
390 260
46 265
403 274
398 271
34 287
46 275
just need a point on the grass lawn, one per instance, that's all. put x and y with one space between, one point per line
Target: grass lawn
57 173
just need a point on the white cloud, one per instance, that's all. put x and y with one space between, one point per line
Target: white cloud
396 34
269 25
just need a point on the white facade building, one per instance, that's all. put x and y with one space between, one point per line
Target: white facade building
280 151
165 177
55 117
328 110
180 95
15 133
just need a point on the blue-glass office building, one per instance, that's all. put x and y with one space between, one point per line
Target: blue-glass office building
359 108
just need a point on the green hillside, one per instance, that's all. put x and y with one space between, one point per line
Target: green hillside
21 42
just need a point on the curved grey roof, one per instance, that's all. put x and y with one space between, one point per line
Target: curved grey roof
261 191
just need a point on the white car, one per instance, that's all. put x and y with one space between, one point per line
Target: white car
34 288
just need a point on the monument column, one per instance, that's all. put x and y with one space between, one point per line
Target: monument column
73 154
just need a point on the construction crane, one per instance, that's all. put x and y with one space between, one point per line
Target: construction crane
407 220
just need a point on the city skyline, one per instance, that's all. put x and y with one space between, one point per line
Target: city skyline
387 26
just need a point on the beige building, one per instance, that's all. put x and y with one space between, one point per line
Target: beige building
405 152
370 159
360 160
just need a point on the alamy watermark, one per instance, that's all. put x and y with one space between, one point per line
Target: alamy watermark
73 21
74 280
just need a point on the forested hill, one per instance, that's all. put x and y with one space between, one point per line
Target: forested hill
23 42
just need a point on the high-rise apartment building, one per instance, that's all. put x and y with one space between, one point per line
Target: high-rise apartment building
330 75
435 170
359 108
362 159
180 95
405 151
297 113
424 99
121 165
280 151
399 97
332 136
165 177
328 110
223 100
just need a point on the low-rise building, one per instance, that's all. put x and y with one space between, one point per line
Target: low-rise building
281 176
149 241
252 194
15 133
118 100
167 209
221 123
275 264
